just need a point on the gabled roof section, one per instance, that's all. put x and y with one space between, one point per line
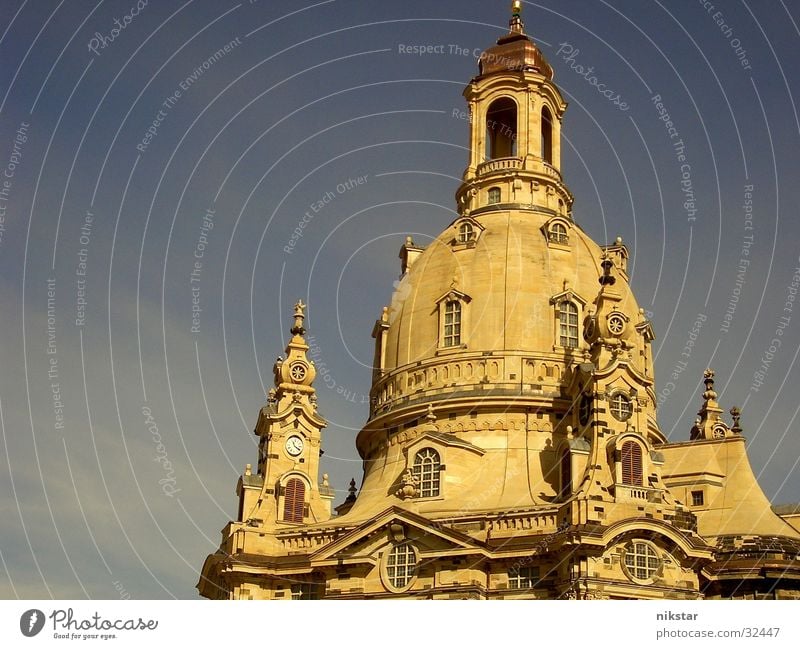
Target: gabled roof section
454 294
446 439
396 514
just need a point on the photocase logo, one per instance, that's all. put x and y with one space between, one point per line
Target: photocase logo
31 622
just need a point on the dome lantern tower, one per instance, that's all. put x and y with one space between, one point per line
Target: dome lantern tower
515 130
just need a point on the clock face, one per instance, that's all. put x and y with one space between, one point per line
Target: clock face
294 445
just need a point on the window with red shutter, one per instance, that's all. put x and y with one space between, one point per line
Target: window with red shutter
632 464
294 500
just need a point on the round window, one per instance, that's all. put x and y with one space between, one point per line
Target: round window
616 324
641 561
400 566
298 372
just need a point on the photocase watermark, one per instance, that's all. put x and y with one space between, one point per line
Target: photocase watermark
195 274
686 353
31 622
506 130
66 625
121 591
7 180
570 55
168 482
727 31
84 239
172 100
102 41
315 355
768 355
454 49
317 206
52 357
679 149
744 260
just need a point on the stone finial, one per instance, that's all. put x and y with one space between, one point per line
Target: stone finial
607 279
248 469
708 379
299 316
351 491
709 424
736 414
429 416
515 24
325 480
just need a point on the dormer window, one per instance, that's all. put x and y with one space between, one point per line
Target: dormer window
466 233
427 467
452 324
558 233
568 324
453 316
493 196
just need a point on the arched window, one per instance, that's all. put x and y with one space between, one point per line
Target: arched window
547 135
466 233
426 469
631 459
493 196
566 472
568 321
294 500
501 128
452 323
400 565
558 233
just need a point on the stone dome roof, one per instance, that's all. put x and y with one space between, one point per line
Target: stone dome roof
509 280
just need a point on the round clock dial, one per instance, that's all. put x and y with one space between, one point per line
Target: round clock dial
294 445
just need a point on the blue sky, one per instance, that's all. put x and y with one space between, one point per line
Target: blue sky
127 417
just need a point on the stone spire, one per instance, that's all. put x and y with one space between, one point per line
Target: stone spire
295 375
709 423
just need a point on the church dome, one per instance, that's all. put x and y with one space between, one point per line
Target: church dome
505 275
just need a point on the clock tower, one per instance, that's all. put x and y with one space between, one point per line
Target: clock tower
285 489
